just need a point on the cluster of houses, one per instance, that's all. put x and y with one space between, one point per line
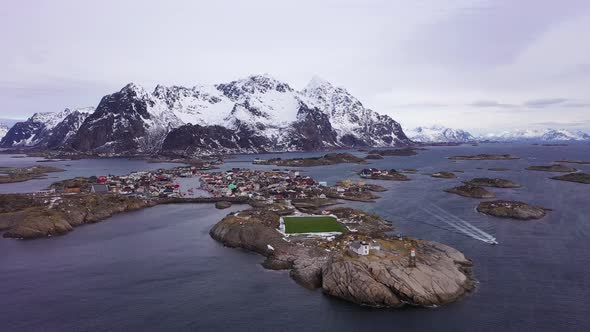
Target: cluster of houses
374 172
155 184
261 185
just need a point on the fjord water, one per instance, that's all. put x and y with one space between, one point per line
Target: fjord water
158 269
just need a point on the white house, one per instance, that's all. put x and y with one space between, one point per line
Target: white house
374 245
360 247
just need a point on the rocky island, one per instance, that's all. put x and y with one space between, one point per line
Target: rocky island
405 152
492 182
469 190
552 168
21 174
328 159
389 175
374 157
444 175
580 162
485 157
574 177
366 266
511 209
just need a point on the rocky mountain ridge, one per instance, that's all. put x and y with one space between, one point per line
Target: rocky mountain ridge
254 114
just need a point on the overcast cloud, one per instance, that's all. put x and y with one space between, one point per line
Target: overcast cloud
467 64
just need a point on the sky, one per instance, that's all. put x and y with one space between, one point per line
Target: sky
484 66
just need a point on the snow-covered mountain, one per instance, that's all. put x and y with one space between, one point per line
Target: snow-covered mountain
439 134
254 114
544 135
46 129
3 130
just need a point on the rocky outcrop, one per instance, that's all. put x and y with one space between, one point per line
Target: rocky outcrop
65 213
492 182
439 277
574 177
552 168
485 157
469 190
511 209
382 279
444 175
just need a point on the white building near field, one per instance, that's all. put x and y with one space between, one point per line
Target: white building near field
360 247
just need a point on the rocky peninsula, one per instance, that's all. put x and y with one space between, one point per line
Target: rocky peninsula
492 182
486 157
511 209
552 168
22 174
328 159
383 278
574 177
469 190
27 216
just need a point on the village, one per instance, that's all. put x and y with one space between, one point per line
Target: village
202 181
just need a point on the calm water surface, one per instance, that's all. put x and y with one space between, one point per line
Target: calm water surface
158 269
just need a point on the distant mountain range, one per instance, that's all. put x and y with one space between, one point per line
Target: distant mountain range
254 114
540 135
440 134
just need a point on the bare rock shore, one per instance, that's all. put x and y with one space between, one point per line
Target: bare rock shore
512 209
380 279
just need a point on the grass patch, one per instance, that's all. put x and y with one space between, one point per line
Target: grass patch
318 224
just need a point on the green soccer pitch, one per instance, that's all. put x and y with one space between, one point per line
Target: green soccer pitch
313 224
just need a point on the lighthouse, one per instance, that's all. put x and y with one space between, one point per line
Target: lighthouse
412 262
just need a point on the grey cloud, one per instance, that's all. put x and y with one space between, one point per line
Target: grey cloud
424 105
539 103
577 104
580 123
490 103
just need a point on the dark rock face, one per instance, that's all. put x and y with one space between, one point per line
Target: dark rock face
511 209
116 123
194 139
64 130
312 130
45 130
20 132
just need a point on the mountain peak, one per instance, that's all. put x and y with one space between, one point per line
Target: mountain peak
317 82
133 88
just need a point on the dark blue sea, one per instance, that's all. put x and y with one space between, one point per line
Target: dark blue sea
158 269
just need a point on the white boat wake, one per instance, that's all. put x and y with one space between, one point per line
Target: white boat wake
459 224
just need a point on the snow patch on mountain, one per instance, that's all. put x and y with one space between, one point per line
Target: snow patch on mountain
3 130
439 134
